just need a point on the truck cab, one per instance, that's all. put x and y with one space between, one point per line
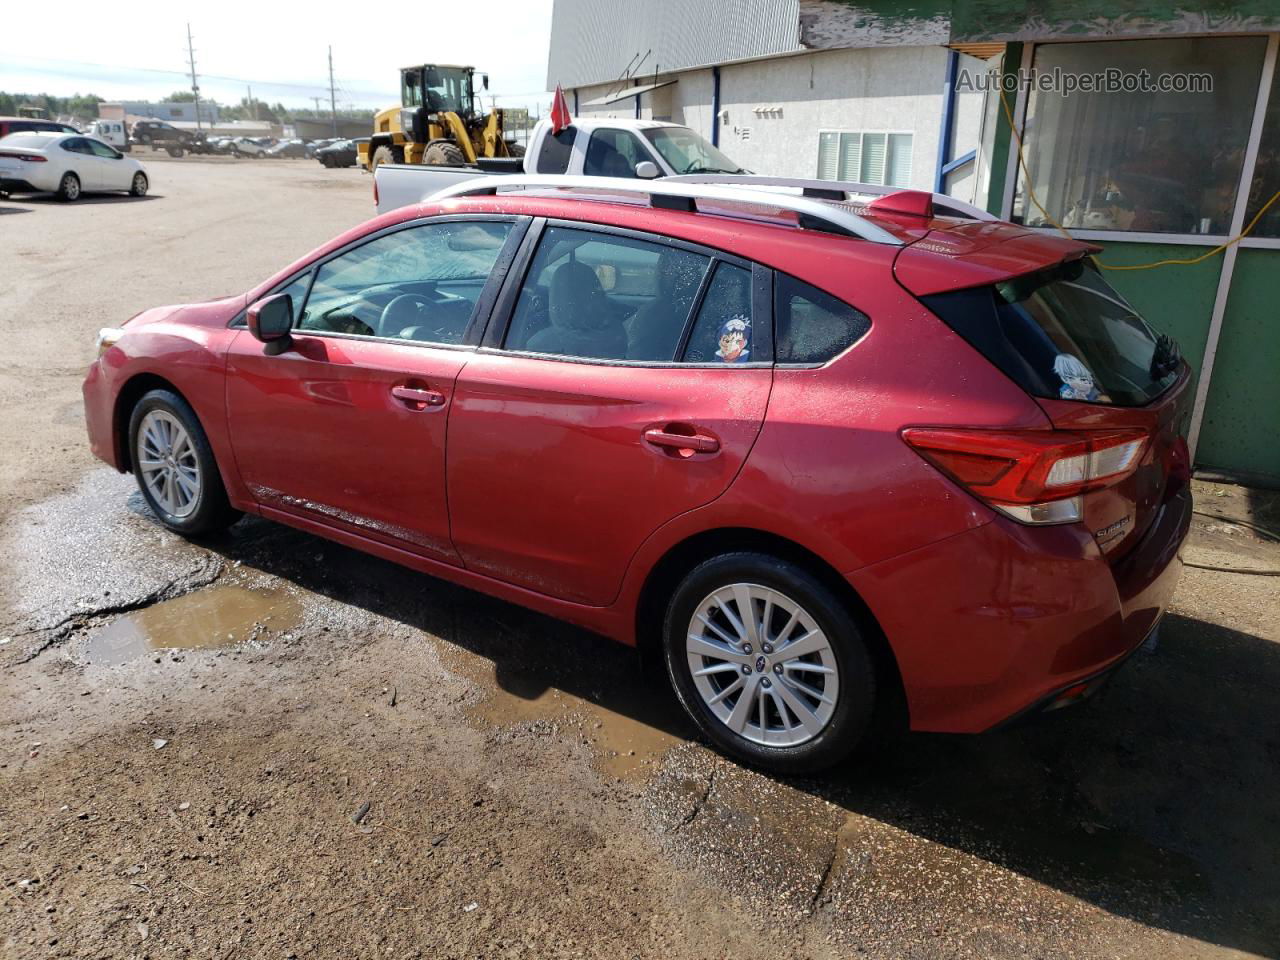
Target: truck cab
624 148
112 132
639 149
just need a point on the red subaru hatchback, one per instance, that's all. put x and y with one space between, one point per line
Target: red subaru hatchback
835 459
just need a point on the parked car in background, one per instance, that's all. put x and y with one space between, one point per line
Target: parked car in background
10 125
843 464
165 136
288 148
250 146
69 165
341 153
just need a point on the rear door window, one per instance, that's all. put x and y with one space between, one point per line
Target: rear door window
605 297
1064 333
723 331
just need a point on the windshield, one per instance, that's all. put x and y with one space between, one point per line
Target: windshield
689 153
1065 333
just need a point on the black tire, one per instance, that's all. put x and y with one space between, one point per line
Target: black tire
851 720
515 149
174 152
445 154
69 188
212 511
140 184
380 156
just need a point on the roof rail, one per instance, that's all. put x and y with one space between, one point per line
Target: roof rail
837 190
672 193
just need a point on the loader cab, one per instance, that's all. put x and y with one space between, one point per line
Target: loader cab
438 88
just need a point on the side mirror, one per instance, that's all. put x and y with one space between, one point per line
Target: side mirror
270 320
484 79
647 170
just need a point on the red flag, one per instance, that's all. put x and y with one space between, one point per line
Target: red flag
560 116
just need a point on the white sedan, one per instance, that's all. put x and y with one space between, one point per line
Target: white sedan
66 164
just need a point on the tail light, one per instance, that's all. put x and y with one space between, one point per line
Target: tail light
1032 476
375 191
25 157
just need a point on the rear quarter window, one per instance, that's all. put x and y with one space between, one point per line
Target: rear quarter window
553 155
813 326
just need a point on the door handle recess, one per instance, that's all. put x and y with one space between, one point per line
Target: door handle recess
681 442
418 398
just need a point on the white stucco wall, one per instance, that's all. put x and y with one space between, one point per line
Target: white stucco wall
776 107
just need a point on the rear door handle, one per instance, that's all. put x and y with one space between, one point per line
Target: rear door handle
417 398
680 442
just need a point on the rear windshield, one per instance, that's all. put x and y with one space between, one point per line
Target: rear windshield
25 141
1064 333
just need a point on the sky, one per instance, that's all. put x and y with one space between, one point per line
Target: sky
139 51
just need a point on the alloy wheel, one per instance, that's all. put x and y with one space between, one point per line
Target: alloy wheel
762 665
167 462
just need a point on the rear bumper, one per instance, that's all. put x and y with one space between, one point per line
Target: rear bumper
12 185
999 619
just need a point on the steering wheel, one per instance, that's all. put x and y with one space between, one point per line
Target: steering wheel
401 312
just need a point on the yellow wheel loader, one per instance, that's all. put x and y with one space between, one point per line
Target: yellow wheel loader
437 122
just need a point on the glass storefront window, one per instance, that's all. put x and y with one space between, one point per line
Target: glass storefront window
1142 161
1266 174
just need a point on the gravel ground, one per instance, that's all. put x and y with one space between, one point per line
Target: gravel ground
267 745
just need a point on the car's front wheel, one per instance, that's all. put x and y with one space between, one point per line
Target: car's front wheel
139 186
769 662
174 466
69 187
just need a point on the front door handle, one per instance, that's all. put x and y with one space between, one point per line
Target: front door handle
686 445
418 398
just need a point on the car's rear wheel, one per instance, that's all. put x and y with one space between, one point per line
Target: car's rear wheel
69 187
769 662
174 466
139 186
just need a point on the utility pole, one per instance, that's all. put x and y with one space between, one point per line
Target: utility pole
253 105
333 99
316 101
195 86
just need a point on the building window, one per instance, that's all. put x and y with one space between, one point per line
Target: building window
879 158
1142 161
1266 175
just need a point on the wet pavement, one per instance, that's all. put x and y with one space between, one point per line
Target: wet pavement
265 744
1139 824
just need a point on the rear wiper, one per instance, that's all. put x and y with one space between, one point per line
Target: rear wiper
1166 357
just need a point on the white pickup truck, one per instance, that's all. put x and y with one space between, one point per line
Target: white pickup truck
642 149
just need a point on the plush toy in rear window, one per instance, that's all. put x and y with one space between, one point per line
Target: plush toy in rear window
1077 380
735 341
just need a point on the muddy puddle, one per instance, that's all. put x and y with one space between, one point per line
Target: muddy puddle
223 615
629 726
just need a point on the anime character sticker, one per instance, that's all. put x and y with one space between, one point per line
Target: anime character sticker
1077 380
735 340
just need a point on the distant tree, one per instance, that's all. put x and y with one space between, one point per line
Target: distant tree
8 104
181 96
83 106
